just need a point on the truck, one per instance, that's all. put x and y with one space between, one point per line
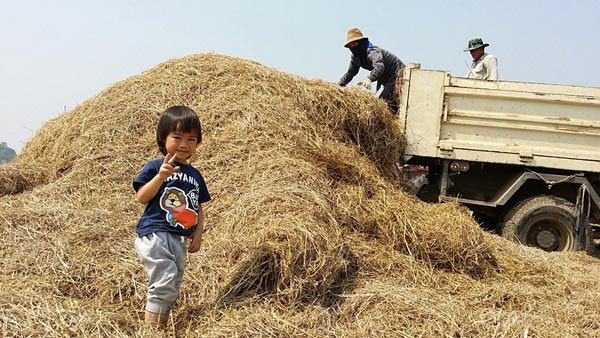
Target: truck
522 156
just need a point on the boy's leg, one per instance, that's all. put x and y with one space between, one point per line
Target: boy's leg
181 249
161 254
155 319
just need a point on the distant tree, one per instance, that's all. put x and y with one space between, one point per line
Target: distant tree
6 154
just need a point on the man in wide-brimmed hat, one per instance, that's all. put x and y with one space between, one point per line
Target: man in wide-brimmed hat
383 65
484 66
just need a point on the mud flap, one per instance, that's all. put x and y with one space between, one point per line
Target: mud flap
583 228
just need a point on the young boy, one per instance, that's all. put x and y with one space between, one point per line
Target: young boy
173 191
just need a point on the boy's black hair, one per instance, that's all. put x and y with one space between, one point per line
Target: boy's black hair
178 118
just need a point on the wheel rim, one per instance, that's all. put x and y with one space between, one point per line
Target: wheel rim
549 234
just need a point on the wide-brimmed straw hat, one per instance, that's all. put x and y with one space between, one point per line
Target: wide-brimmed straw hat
476 43
354 34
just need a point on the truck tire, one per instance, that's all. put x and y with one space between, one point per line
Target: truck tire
545 222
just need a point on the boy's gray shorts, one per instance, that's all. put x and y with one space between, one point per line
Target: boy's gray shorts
163 256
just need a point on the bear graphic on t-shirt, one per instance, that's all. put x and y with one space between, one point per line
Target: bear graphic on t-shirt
174 202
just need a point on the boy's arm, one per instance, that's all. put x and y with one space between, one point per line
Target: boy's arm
197 235
147 191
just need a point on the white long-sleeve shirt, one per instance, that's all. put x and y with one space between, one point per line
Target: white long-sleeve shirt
485 68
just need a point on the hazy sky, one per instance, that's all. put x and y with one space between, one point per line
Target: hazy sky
57 54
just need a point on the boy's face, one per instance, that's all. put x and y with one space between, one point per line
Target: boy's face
183 145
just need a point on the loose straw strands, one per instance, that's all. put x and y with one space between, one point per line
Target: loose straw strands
308 232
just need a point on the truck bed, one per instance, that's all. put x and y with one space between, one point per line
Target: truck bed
531 124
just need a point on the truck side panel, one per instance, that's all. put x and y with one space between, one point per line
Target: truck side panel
425 104
502 122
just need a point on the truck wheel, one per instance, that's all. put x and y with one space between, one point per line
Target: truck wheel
545 222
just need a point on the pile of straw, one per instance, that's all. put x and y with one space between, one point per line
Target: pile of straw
308 234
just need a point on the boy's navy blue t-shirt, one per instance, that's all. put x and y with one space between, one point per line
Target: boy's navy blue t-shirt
174 209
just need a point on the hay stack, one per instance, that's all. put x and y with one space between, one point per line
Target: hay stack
308 232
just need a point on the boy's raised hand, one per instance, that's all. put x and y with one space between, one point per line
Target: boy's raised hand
167 169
